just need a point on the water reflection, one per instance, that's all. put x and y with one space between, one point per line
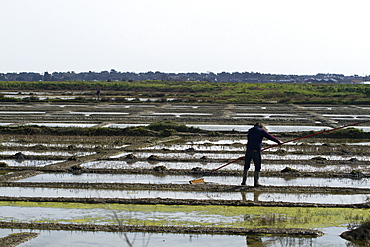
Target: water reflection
137 194
231 156
81 125
256 195
184 179
29 163
99 113
46 153
111 239
254 241
21 112
208 127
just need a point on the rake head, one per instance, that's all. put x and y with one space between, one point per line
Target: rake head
197 181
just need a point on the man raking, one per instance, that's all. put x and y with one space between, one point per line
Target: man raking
254 146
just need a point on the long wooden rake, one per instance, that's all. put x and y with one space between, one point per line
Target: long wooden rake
201 180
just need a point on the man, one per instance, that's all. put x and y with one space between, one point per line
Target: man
254 146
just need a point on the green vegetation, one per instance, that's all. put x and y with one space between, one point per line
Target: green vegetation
191 91
162 128
216 216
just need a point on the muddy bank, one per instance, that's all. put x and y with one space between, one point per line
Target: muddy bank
16 239
72 167
190 202
189 187
206 172
163 229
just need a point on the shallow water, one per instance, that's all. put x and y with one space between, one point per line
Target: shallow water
176 215
41 153
346 116
271 115
122 126
237 166
111 239
240 146
125 106
136 194
81 125
217 142
232 156
202 147
22 112
61 106
320 108
183 106
25 96
178 114
103 214
108 164
99 113
57 145
184 179
31 163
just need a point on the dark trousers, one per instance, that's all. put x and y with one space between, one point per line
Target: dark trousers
256 157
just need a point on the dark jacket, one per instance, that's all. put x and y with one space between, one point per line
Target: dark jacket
255 136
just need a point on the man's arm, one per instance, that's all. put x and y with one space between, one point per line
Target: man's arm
271 137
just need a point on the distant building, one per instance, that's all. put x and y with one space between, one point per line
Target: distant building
356 81
319 80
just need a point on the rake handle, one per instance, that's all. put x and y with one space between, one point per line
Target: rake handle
295 139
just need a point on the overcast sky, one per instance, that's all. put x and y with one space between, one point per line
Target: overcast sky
267 36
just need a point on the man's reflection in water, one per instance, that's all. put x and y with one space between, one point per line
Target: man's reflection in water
256 194
244 196
254 241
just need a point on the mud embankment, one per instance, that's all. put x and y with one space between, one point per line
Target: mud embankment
189 202
16 239
188 187
163 229
76 169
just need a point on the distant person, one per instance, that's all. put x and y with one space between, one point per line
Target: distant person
98 94
254 146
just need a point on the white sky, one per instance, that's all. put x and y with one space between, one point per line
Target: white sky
267 36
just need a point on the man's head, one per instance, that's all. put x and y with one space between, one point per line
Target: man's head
259 125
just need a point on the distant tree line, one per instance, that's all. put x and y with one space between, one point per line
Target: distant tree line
113 75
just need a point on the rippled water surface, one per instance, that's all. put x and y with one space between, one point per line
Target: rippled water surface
136 194
184 179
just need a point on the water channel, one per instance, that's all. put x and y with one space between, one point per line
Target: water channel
326 198
184 179
111 239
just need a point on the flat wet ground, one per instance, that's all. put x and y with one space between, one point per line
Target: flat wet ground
153 185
